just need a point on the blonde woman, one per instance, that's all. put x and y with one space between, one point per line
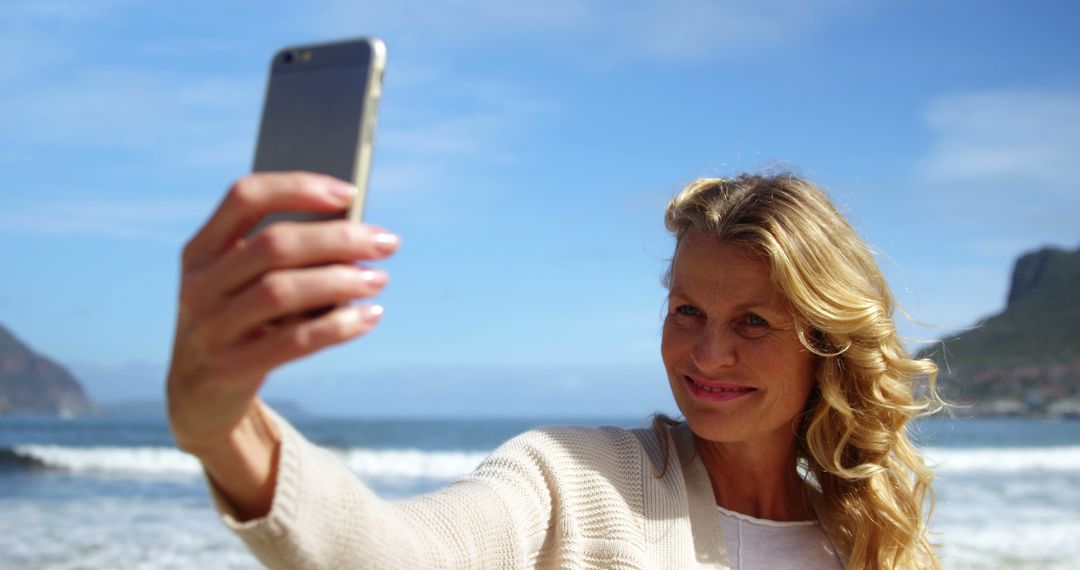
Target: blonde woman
779 348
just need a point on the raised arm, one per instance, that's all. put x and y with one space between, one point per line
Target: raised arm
240 316
547 498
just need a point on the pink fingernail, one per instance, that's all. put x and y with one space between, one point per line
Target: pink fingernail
386 243
372 313
373 276
342 190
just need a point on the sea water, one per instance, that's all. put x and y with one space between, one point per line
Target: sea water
111 492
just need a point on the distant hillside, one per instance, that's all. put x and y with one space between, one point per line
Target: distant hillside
1025 360
31 383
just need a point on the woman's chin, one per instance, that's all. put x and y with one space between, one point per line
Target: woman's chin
715 429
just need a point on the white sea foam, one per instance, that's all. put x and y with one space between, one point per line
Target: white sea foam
412 464
403 464
1004 459
134 533
149 461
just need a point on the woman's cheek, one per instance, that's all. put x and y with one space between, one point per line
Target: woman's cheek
672 341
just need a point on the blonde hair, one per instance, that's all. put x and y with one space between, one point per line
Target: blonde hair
853 440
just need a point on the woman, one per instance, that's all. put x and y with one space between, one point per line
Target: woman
779 347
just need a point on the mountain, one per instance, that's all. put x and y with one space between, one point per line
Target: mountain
1025 360
32 383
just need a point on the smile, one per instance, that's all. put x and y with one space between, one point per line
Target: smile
717 392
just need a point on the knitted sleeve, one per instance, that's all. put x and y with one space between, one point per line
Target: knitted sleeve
322 516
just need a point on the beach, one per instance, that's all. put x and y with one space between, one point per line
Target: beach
112 492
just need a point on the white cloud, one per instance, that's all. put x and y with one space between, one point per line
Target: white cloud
56 11
1007 159
1014 136
164 221
469 117
455 136
593 31
68 88
41 34
469 125
692 29
151 112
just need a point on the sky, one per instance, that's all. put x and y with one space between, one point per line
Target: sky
525 152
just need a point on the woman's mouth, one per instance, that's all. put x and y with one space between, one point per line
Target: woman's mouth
716 391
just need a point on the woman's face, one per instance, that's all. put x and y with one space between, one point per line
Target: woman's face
736 367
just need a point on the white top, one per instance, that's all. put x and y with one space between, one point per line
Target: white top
558 498
758 544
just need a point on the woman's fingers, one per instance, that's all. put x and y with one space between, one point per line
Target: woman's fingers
298 338
254 196
286 245
210 390
246 299
280 294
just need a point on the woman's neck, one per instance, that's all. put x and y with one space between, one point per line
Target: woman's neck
756 480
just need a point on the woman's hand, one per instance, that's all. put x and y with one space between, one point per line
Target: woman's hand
241 301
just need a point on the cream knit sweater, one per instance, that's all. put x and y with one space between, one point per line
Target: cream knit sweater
565 497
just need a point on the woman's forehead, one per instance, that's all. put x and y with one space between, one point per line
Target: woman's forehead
701 253
704 265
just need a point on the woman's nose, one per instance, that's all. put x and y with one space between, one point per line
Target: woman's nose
714 348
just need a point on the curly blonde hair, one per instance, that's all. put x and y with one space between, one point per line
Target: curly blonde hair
853 442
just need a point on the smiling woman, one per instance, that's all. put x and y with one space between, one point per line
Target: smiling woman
783 356
737 369
779 347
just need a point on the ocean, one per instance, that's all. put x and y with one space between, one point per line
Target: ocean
111 492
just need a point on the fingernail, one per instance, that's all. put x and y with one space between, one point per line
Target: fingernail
385 243
342 190
367 314
371 313
373 276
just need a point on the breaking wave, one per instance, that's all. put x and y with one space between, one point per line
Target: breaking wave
419 464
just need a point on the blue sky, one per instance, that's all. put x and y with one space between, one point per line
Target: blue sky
525 152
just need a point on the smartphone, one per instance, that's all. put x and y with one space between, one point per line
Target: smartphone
319 115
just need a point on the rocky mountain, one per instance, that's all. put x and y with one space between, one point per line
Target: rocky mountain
1025 360
32 383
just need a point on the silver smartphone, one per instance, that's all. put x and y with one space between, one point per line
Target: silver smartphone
319 115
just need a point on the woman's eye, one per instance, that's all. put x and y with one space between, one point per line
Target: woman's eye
756 321
687 311
752 326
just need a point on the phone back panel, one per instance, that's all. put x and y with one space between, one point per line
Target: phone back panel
320 109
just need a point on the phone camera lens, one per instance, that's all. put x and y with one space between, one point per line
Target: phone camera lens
288 57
